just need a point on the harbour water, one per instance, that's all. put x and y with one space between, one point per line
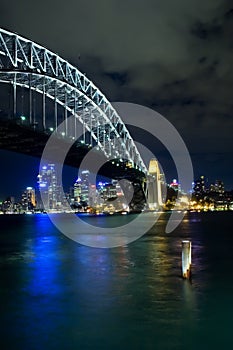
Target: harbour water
57 294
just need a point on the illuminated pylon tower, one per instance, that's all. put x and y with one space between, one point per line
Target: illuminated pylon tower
154 193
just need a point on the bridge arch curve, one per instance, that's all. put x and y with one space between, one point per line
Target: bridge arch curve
27 64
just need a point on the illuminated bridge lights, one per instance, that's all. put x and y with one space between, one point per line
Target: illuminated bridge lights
33 67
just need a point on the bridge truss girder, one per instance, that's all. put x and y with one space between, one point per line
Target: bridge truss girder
26 64
105 134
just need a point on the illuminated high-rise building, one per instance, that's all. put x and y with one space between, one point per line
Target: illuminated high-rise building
49 187
84 192
199 187
85 182
77 190
28 199
154 182
219 187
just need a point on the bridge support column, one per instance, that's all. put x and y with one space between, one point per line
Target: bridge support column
14 97
66 114
75 117
34 111
30 99
55 107
43 107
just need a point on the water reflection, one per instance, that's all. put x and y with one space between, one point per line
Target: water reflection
60 295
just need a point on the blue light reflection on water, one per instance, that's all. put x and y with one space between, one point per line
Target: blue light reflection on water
58 294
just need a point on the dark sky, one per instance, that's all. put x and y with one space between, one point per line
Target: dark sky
173 56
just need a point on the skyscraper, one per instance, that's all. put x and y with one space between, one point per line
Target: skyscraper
28 199
49 187
199 187
77 190
219 187
85 182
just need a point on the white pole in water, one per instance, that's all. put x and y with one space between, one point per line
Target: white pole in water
186 259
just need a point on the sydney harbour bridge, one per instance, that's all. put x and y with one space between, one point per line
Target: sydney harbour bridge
40 91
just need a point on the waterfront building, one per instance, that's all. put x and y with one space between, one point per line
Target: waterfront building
50 188
110 197
212 198
219 187
8 205
199 187
107 190
85 182
28 199
77 190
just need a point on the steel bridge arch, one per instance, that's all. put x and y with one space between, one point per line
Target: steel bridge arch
27 64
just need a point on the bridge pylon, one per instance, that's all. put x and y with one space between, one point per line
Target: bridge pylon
154 185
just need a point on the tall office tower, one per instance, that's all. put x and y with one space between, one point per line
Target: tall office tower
85 174
154 193
28 199
219 187
77 190
199 187
49 187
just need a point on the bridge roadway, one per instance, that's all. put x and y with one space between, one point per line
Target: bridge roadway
19 138
38 79
27 66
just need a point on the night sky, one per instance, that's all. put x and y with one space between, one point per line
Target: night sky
175 57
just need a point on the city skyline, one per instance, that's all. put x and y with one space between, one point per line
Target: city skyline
82 194
179 65
47 193
10 187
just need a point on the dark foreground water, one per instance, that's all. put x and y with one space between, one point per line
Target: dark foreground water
57 294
